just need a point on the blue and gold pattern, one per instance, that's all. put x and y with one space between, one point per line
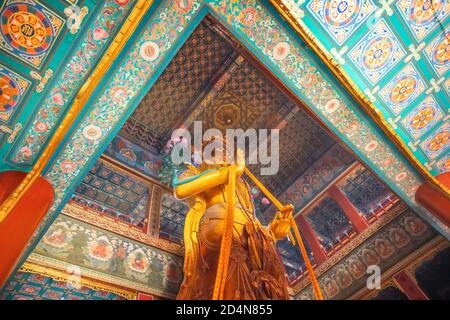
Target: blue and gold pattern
134 156
12 90
28 30
341 17
131 76
402 89
172 216
420 29
438 52
423 117
438 142
114 193
377 52
444 163
422 16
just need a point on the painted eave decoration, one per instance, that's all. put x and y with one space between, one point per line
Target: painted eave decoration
396 53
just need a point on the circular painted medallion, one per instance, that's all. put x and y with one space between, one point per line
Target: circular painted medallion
423 12
371 146
439 141
26 29
403 89
445 166
281 50
149 51
92 132
441 53
9 93
332 105
422 118
340 13
377 53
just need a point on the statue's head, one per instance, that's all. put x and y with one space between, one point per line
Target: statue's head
213 151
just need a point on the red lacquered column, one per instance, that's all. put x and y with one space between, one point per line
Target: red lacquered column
349 209
18 227
310 236
434 201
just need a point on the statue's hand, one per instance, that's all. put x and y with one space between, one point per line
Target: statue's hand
281 224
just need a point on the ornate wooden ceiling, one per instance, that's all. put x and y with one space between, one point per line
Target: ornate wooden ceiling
210 81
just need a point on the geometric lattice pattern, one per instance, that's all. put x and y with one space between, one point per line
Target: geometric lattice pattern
377 53
365 191
292 258
255 97
341 18
247 98
31 286
114 193
312 182
302 143
187 74
329 222
172 217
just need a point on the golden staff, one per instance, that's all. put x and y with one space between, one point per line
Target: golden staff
227 237
280 207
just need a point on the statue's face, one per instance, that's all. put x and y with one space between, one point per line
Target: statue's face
214 153
217 156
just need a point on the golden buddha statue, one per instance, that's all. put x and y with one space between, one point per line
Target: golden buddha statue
254 269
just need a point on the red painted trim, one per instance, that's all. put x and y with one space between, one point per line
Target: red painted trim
145 296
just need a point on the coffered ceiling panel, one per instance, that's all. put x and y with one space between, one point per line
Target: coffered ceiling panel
396 54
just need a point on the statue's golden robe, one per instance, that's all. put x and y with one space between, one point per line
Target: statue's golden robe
255 269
